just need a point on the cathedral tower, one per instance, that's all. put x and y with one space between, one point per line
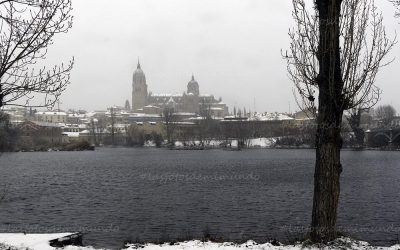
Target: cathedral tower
139 89
191 99
193 87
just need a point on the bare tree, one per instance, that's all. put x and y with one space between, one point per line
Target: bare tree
94 129
336 51
385 114
112 120
354 120
354 117
204 125
8 134
135 136
243 132
101 129
27 29
169 123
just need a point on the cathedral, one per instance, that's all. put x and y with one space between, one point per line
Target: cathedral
190 102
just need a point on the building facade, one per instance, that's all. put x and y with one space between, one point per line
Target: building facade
191 101
52 117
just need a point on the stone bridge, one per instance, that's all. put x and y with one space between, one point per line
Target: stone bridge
383 137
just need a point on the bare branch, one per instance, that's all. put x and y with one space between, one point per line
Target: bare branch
363 46
396 3
27 29
385 114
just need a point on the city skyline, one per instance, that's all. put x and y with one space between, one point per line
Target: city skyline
231 51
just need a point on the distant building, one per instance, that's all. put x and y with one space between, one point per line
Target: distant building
17 114
52 117
395 122
41 132
76 118
190 101
305 117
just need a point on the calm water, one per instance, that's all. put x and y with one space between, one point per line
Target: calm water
117 195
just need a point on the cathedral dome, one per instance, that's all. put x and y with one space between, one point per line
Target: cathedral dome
193 87
139 76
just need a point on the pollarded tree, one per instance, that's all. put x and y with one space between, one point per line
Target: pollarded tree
27 29
336 51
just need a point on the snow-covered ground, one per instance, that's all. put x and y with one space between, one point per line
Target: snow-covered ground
252 143
42 242
343 243
33 242
262 142
270 117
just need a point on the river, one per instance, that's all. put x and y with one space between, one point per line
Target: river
128 194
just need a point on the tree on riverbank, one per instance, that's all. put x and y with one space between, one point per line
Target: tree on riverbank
385 114
27 29
169 119
354 120
356 116
112 125
8 134
336 50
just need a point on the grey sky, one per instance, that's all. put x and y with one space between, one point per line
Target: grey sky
231 46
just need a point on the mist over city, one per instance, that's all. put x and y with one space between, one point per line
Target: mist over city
232 47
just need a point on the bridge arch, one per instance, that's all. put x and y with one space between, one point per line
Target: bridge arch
396 136
383 134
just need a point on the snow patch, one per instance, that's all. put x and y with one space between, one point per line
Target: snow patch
30 241
42 242
342 243
21 241
262 142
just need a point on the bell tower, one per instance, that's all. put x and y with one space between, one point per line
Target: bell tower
139 89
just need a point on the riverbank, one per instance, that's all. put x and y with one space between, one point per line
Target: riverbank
75 146
44 242
22 241
231 145
341 243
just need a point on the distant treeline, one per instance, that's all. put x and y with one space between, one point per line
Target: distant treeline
204 131
8 134
12 139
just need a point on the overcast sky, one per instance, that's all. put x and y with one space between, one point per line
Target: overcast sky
231 46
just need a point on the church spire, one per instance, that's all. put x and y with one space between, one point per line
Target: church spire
138 64
192 77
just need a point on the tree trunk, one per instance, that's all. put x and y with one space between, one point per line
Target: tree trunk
1 96
330 111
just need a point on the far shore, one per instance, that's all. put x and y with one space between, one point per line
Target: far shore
193 148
